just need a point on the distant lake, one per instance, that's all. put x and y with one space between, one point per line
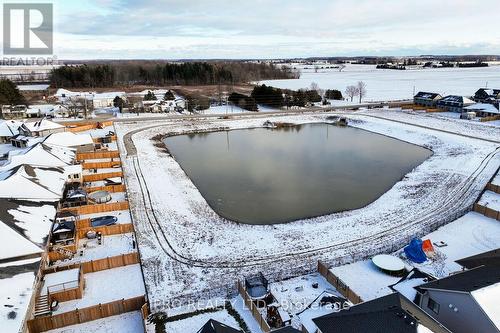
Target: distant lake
267 176
387 84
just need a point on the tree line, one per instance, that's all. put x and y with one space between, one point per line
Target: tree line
147 73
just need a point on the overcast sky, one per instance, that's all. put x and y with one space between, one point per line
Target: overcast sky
176 29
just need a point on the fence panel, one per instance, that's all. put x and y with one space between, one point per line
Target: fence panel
101 165
101 176
108 230
97 155
97 208
42 324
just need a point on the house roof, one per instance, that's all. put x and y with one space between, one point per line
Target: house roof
385 314
484 107
457 99
68 139
18 245
213 326
467 281
33 183
407 284
41 125
40 154
426 95
9 128
486 258
487 298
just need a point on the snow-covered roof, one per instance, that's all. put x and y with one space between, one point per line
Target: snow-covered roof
484 107
41 155
89 94
42 125
9 127
487 298
68 139
33 183
18 245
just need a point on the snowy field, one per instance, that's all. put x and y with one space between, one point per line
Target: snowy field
386 84
130 322
189 252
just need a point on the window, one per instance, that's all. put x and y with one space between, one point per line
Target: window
431 304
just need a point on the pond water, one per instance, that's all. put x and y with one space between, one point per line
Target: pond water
267 176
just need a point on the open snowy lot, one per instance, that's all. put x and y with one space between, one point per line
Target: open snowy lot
189 252
387 84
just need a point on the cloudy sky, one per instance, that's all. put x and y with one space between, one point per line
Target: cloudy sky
178 29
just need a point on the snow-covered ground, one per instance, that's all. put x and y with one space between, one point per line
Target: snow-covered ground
365 279
205 253
130 322
107 286
193 324
469 235
111 246
299 298
491 200
386 84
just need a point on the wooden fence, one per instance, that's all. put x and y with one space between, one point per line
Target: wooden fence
96 155
99 264
109 188
78 316
101 176
264 326
101 165
338 284
490 118
493 187
97 208
109 230
100 140
488 212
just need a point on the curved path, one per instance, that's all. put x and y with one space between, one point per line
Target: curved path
455 201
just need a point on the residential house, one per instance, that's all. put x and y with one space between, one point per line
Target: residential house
389 314
213 326
486 258
8 129
41 127
483 109
13 111
79 142
426 98
466 301
40 154
486 95
33 183
453 103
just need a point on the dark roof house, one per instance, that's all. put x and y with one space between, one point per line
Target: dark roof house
213 326
454 103
490 258
391 313
466 301
486 95
426 98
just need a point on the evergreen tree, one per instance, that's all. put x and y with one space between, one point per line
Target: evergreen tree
150 96
169 96
10 94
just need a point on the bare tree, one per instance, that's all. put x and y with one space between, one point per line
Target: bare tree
315 86
351 92
361 86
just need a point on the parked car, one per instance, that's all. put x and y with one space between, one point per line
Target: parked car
103 221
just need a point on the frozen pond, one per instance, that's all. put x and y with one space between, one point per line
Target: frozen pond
386 84
264 176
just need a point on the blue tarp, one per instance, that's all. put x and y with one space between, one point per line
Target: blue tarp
414 251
